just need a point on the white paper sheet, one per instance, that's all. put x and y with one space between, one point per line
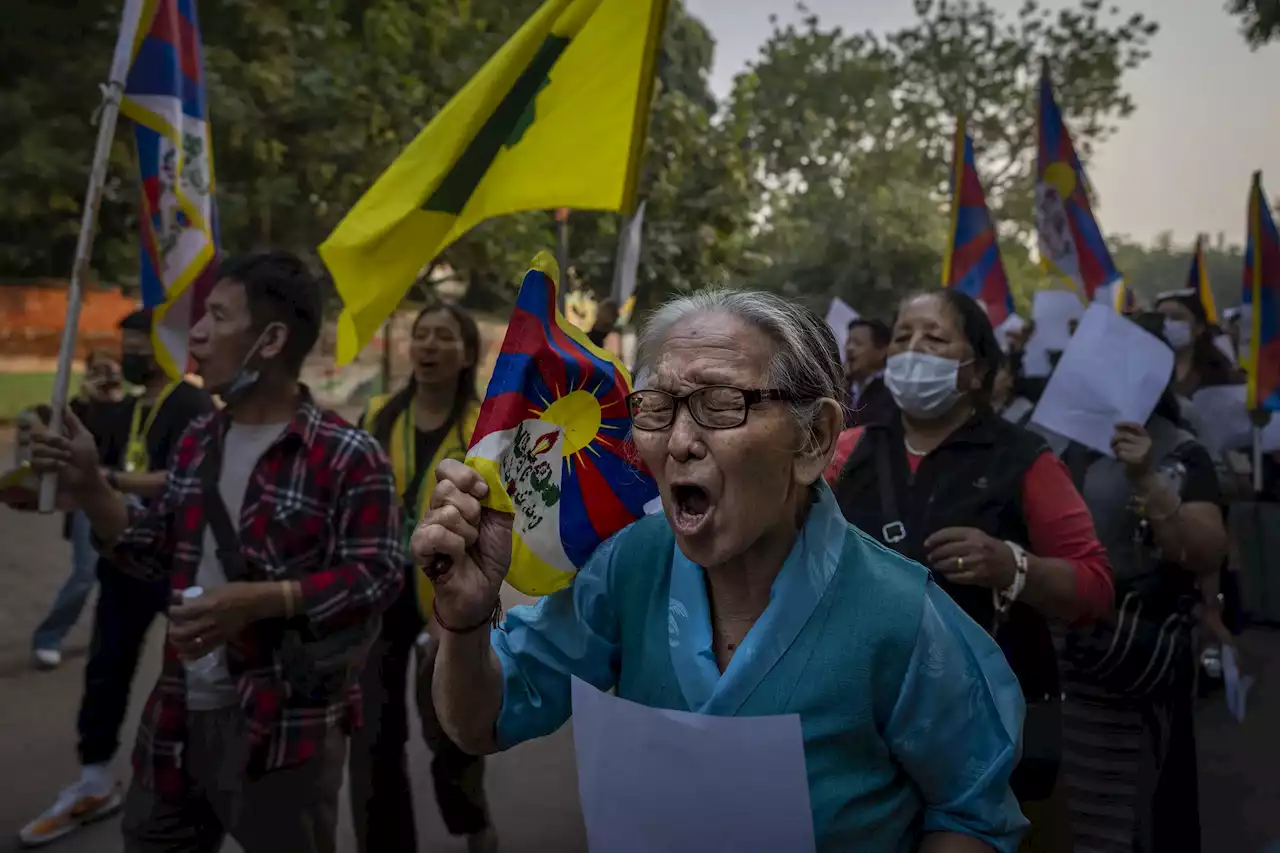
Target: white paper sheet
652 779
1052 311
839 316
1221 419
1113 370
1011 325
1235 684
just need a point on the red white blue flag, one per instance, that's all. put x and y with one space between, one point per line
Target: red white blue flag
972 262
165 97
1070 241
1262 298
553 441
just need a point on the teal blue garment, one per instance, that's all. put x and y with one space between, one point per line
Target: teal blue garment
911 717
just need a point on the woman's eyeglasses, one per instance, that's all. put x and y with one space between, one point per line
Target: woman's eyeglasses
713 407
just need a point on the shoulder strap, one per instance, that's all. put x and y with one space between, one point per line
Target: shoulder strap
893 531
216 515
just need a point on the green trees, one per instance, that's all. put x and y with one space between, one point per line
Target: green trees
823 172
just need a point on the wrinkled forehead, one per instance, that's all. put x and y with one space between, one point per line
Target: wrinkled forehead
711 348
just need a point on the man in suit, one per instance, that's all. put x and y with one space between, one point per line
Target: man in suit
865 351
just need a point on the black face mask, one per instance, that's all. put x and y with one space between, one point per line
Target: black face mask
136 368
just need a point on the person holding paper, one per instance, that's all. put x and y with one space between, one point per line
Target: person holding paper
988 507
749 595
1128 728
1199 362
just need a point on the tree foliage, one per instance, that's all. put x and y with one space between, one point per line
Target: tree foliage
1259 20
823 173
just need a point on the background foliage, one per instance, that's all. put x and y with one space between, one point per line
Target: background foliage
823 172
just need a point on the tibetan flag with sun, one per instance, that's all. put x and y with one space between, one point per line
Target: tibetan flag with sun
554 441
166 98
1070 243
972 262
1262 301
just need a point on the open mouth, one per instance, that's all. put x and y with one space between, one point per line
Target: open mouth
692 507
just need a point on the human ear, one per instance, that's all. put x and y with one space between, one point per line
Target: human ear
816 449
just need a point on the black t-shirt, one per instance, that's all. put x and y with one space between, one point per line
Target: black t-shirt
426 443
183 405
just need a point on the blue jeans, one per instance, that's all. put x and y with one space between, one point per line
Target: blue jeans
75 591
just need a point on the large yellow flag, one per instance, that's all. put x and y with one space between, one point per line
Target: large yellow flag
556 118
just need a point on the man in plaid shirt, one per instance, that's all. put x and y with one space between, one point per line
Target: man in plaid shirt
245 733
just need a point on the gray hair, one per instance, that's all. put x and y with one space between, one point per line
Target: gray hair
805 360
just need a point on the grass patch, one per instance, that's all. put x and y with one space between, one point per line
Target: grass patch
21 390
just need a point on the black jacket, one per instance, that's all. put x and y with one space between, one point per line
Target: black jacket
875 405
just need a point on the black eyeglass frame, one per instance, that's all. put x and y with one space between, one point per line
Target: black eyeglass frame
750 397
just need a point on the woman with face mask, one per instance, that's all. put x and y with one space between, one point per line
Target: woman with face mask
1199 364
987 506
1129 734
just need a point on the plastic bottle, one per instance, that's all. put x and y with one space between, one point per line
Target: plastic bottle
206 664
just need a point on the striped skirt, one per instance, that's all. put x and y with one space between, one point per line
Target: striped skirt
1129 770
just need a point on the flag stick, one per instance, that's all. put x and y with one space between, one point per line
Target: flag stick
562 254
110 108
1257 460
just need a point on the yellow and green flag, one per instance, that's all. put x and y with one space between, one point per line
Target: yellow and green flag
556 118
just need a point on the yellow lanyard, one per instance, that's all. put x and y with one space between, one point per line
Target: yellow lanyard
135 454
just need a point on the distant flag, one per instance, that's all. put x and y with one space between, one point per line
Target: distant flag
557 118
972 263
1071 243
627 266
1262 295
1118 295
178 219
553 441
1198 281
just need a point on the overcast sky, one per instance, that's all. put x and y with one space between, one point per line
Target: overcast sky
1208 110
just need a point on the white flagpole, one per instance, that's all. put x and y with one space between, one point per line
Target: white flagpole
111 95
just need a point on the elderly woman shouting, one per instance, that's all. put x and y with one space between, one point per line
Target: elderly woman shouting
910 715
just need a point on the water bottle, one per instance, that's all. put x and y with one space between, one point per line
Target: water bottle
203 666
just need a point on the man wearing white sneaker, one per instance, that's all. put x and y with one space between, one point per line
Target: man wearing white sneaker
136 438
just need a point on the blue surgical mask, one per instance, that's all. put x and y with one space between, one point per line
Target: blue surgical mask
1178 334
923 385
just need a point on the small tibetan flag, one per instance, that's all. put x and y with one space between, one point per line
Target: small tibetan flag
1198 282
972 262
1262 296
1070 241
553 441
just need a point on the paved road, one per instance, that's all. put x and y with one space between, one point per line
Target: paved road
533 788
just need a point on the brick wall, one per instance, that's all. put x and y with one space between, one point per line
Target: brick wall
32 317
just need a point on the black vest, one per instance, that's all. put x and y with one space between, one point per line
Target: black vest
973 479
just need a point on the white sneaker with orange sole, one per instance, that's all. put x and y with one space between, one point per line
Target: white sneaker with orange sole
74 808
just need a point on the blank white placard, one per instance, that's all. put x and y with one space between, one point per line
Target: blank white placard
657 780
1113 370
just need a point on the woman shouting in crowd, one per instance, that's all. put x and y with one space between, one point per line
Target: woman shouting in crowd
749 595
986 506
428 420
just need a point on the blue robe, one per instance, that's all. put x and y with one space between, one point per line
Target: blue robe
910 715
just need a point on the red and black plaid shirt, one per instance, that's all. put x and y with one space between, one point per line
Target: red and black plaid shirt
320 508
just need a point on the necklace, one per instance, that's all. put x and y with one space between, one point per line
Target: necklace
912 450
